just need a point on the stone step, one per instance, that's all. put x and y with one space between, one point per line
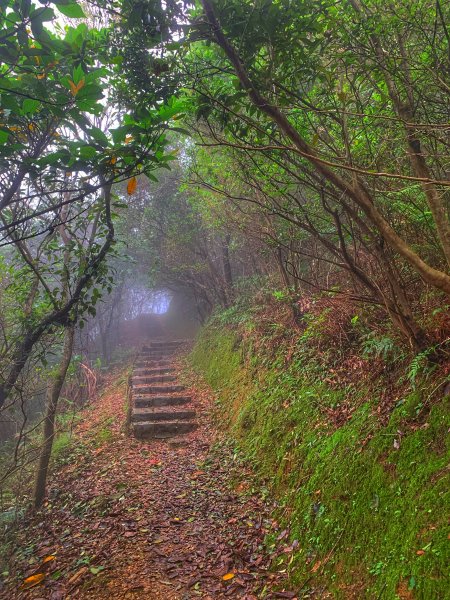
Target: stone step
163 429
164 344
153 371
149 401
157 389
149 415
151 364
145 379
165 349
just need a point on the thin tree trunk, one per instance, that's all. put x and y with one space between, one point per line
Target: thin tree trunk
227 272
53 394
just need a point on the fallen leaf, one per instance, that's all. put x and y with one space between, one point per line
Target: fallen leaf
196 474
96 570
33 580
77 575
316 566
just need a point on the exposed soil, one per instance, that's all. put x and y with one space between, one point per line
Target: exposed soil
133 519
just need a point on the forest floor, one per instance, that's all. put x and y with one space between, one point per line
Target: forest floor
132 519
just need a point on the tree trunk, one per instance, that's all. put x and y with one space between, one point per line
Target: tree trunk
53 393
228 275
287 284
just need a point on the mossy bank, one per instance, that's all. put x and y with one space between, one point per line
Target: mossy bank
364 496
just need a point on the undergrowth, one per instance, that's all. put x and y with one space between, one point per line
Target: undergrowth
361 481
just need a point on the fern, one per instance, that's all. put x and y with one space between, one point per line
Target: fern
381 347
420 365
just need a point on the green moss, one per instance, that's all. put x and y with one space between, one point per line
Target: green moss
61 444
361 498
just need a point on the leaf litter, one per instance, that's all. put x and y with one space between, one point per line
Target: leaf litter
131 519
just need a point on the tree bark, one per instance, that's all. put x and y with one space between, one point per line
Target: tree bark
53 394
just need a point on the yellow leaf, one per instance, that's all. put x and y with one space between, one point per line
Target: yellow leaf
74 89
132 185
48 559
228 576
30 582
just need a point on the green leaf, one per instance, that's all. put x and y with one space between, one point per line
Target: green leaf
180 130
73 10
88 152
96 570
3 137
30 106
99 136
43 14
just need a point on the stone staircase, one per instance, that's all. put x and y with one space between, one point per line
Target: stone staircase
160 408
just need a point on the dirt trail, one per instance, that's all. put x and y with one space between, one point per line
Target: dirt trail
128 518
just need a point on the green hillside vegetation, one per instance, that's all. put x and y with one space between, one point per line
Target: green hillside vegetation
364 495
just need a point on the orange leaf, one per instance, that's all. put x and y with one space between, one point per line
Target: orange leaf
316 566
77 575
228 576
76 88
132 185
113 160
48 559
30 582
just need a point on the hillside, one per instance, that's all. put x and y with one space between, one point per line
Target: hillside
355 456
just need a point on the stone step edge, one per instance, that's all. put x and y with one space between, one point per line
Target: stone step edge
143 416
163 428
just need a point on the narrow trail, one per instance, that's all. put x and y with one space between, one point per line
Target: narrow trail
129 518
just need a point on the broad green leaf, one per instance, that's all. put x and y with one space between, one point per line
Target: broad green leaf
73 11
99 136
30 106
88 152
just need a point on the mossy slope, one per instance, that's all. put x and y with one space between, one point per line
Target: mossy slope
366 502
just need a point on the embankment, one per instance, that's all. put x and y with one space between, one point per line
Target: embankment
360 475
